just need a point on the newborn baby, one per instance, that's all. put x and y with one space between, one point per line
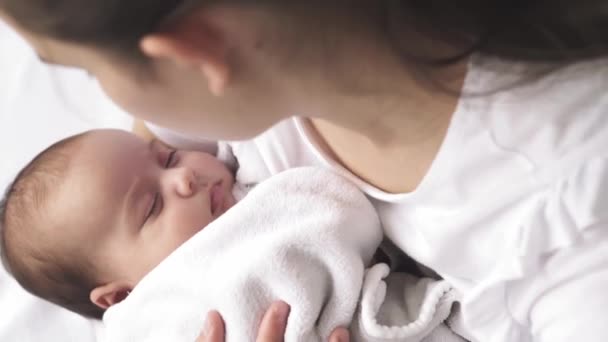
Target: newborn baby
95 222
93 214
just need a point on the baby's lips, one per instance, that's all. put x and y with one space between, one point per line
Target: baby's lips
217 198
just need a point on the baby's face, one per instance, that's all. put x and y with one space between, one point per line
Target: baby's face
132 203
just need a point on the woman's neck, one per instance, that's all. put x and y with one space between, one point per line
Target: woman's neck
393 159
382 121
364 84
403 111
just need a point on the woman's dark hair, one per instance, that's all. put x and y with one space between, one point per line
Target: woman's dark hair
554 31
114 25
539 31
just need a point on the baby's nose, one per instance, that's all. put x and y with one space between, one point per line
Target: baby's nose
185 182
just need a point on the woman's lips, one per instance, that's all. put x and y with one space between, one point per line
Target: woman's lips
217 198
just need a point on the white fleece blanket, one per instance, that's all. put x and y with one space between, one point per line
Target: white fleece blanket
304 236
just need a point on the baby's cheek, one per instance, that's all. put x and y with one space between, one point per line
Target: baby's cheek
191 223
231 200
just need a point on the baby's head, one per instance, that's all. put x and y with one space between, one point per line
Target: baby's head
90 216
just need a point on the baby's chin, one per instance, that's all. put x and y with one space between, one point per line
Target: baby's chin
230 201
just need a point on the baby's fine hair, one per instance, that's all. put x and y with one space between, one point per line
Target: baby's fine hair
29 250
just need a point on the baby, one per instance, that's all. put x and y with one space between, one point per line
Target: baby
90 218
86 220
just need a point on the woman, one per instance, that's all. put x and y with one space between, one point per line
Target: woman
477 127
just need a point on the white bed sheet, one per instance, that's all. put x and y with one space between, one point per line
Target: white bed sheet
38 106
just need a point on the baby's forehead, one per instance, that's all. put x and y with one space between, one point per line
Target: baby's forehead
100 174
110 150
108 139
110 157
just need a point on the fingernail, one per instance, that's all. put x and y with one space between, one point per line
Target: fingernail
208 327
281 311
344 336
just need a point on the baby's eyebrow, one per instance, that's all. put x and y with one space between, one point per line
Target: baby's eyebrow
152 143
129 206
46 60
132 196
43 59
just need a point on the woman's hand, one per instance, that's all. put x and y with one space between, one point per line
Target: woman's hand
213 330
272 328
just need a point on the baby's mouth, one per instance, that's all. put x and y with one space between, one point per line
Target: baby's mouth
217 198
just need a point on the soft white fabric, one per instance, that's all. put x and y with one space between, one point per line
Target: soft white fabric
401 307
38 106
518 187
303 236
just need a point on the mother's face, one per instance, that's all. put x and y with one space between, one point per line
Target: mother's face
179 98
177 93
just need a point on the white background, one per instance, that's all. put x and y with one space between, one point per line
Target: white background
38 106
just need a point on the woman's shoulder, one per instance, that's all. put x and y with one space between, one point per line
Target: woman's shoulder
557 115
282 147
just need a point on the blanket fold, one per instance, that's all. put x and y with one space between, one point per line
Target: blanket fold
304 236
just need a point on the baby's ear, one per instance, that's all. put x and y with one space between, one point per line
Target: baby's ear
107 295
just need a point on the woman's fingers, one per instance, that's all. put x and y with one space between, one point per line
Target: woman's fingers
272 328
340 335
274 323
213 330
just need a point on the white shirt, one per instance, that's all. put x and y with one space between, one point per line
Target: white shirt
513 211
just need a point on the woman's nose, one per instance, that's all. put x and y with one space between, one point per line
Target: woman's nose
183 181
